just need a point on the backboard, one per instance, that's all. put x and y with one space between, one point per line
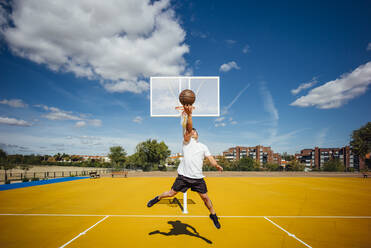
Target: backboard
165 95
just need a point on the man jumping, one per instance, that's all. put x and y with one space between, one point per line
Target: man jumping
190 168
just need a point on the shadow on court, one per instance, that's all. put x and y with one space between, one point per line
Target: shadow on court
175 202
181 228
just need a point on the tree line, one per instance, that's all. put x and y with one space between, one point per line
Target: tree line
149 155
153 155
59 159
250 164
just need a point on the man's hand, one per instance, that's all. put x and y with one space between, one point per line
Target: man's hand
219 168
188 109
214 163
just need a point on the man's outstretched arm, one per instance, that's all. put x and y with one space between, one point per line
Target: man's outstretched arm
188 134
214 163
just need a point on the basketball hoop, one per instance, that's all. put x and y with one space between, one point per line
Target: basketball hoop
206 90
181 108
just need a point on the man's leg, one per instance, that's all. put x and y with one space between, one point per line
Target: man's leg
209 205
207 202
170 193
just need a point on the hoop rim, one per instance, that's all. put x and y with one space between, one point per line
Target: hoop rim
182 107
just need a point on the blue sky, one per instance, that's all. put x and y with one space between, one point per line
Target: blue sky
75 78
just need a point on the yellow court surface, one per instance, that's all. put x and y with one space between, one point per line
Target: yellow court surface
253 211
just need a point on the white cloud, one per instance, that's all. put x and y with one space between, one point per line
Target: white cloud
246 49
197 64
89 145
222 121
3 16
120 43
270 107
11 149
281 140
304 86
58 114
80 124
138 120
14 122
229 66
269 103
15 103
226 109
90 140
221 124
130 86
231 121
219 119
368 46
199 34
95 122
231 42
321 137
336 93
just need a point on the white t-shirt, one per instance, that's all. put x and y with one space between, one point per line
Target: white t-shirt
194 153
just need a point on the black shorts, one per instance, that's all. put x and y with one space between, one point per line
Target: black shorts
183 183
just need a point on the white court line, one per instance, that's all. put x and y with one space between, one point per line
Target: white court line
190 216
290 234
84 232
302 216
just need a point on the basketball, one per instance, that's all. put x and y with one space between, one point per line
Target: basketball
187 97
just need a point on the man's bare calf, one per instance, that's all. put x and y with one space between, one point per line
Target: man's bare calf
207 202
169 193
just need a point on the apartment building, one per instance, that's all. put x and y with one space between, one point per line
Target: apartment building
259 153
317 157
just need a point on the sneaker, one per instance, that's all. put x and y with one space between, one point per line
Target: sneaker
153 202
215 220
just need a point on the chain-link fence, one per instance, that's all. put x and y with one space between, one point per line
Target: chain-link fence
8 177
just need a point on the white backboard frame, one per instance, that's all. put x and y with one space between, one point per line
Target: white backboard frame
182 78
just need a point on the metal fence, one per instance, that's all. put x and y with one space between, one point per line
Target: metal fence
20 176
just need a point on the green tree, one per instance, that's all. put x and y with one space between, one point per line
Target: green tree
75 158
295 165
5 164
66 157
132 161
151 154
287 156
225 163
361 141
271 167
2 155
207 165
246 164
31 159
176 162
58 157
15 159
333 165
117 155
